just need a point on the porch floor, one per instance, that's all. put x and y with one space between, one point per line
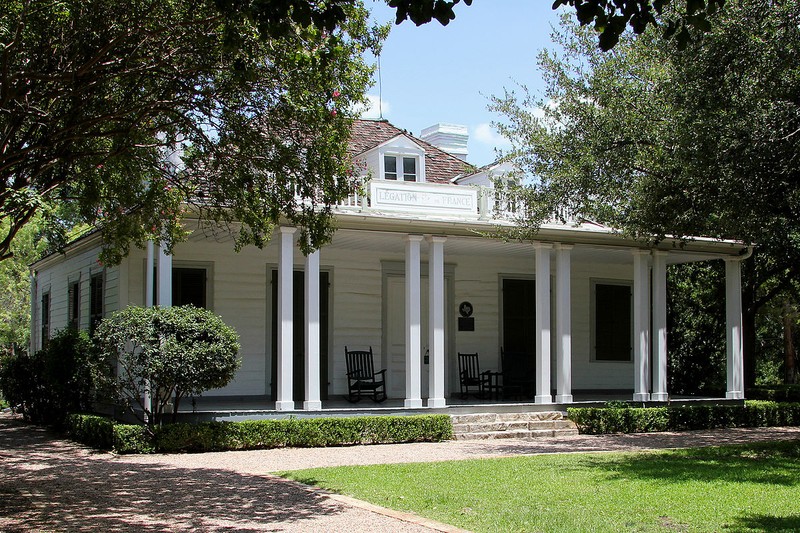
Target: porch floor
237 409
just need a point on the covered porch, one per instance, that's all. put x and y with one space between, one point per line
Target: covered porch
397 286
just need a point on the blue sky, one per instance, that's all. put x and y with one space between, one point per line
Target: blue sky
436 73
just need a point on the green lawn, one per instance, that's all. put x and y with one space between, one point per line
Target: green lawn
742 488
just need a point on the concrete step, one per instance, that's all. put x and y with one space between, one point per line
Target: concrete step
532 425
518 434
491 426
507 417
513 426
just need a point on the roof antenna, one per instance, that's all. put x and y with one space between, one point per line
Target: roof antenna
380 90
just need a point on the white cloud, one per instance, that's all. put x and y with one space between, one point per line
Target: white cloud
374 107
485 134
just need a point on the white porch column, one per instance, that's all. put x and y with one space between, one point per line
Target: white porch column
149 275
164 278
285 353
659 327
436 319
733 318
149 287
34 312
413 348
641 325
543 323
563 324
312 401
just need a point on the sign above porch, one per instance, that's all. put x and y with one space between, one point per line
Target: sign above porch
427 198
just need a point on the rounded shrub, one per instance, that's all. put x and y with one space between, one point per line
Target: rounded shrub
166 353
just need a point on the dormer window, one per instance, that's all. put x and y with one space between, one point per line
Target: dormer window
403 168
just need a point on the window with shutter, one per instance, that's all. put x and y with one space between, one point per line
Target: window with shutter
45 318
95 301
74 305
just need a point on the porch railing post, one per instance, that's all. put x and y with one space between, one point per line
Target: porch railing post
436 318
285 401
543 391
641 325
563 324
312 401
413 329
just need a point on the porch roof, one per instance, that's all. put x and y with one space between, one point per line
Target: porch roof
478 238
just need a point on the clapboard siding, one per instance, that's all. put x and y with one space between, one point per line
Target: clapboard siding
356 309
56 279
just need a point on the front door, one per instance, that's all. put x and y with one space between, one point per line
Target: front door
299 321
519 318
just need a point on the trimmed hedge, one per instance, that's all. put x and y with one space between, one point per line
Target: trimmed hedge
102 433
92 430
603 420
775 393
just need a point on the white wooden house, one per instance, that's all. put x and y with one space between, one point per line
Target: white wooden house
407 261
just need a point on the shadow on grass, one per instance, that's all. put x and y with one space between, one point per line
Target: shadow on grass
766 523
51 484
774 463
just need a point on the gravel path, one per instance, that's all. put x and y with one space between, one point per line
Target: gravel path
51 484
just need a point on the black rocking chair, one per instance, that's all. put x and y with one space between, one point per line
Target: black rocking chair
470 375
362 378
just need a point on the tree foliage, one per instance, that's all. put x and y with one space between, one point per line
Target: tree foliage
683 20
120 113
165 354
696 325
659 141
15 305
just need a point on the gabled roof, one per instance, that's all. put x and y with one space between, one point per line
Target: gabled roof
498 168
440 167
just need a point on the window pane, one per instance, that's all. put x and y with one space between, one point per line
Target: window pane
74 305
95 301
410 168
612 322
189 286
45 318
390 167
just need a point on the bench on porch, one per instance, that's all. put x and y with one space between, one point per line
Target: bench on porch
362 378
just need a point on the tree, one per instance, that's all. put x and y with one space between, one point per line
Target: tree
165 354
660 141
696 325
15 305
121 113
683 20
